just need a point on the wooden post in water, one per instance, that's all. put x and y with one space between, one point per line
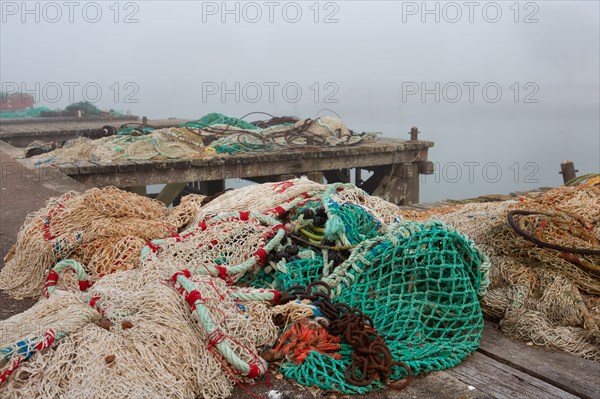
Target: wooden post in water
414 133
567 169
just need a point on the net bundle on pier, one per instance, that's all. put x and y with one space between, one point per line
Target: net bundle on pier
104 229
419 284
312 278
139 339
206 137
539 294
159 144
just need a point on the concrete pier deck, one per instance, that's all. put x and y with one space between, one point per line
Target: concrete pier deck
21 132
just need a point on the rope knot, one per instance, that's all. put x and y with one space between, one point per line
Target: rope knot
215 338
222 272
186 273
254 371
244 216
261 256
192 297
84 285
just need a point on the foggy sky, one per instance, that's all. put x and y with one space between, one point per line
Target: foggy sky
170 55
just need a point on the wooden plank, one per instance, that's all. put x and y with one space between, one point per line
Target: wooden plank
243 166
168 194
570 373
84 167
264 179
393 189
315 176
211 187
337 175
371 184
400 184
437 385
501 381
140 190
21 133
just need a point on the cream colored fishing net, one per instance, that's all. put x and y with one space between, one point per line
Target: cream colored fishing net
153 347
103 228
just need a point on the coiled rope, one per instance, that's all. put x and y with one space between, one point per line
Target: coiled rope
517 228
372 357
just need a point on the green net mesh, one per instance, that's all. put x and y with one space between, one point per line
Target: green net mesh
300 272
419 283
26 113
85 107
327 373
239 143
127 130
346 222
219 119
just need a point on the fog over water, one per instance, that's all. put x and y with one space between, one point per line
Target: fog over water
506 90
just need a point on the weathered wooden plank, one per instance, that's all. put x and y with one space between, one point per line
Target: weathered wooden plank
69 169
237 167
371 184
168 194
393 189
337 175
140 190
211 187
501 381
23 132
570 373
436 385
315 176
85 167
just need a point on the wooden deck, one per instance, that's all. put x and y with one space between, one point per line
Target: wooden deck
502 368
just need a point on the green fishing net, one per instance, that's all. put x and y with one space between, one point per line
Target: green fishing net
238 143
219 119
302 271
26 113
419 283
127 130
85 107
345 221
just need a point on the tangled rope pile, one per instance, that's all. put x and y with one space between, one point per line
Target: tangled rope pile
372 357
207 137
545 253
319 280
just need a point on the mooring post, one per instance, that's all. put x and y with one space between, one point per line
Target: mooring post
212 187
414 133
567 169
358 177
